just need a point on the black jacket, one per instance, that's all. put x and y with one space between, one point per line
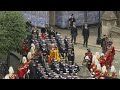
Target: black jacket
43 30
74 30
85 32
103 42
71 20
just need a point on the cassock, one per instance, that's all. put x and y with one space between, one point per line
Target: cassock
112 53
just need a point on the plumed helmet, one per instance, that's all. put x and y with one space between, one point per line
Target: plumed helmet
87 57
6 77
33 45
102 54
96 62
97 54
11 71
98 67
29 55
119 72
24 60
93 59
104 69
32 50
113 69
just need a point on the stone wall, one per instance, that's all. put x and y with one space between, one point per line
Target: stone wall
37 17
63 16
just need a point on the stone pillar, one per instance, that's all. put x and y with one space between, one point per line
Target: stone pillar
109 19
118 17
52 18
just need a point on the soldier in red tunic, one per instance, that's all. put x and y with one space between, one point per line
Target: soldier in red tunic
112 50
33 45
89 53
102 60
108 58
29 56
113 72
104 72
11 74
22 69
97 54
93 66
25 48
98 71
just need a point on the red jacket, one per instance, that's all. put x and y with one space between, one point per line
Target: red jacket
88 54
97 73
113 50
22 70
109 58
43 36
102 61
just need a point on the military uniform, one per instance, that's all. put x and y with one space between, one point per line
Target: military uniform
102 61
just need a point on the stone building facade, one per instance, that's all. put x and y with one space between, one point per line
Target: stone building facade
60 18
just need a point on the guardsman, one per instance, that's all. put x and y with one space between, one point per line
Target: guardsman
102 60
108 58
98 71
113 72
87 61
11 74
97 55
93 66
22 69
104 72
89 53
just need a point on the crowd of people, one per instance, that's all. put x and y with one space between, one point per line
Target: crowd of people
101 65
50 56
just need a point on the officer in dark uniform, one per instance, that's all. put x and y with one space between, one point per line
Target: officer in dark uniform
47 29
104 44
71 20
74 33
51 33
85 33
33 71
43 30
71 57
39 73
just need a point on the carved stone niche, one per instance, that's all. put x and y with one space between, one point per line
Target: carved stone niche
109 20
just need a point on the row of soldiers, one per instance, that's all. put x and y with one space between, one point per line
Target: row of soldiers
36 65
99 65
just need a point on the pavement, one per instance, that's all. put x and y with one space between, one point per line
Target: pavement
92 38
80 50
